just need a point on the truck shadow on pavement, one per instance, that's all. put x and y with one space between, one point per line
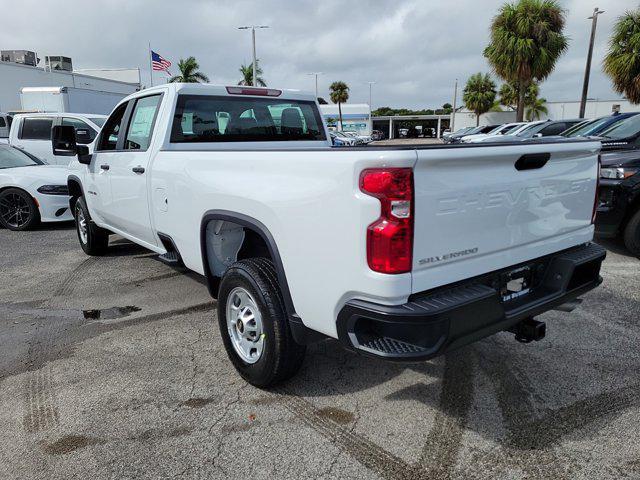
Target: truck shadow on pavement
526 433
615 245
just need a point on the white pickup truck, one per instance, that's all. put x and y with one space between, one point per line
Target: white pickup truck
397 252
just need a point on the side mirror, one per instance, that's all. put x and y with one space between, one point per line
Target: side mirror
84 156
537 135
63 140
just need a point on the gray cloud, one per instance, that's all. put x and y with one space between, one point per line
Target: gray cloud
414 50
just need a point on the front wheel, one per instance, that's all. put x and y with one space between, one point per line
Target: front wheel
18 210
254 326
632 234
93 239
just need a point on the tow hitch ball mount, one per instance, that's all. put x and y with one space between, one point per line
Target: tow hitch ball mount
529 330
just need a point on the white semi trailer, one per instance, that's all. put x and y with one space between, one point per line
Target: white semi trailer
68 99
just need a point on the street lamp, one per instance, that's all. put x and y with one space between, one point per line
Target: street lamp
253 36
585 85
452 122
370 85
316 75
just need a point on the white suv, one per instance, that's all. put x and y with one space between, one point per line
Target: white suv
32 132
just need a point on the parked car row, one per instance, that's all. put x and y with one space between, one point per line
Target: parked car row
349 139
525 131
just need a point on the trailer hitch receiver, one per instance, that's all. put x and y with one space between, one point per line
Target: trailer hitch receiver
529 330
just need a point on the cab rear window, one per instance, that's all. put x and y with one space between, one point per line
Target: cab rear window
204 118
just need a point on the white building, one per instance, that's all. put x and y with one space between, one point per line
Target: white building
14 76
557 110
594 108
356 117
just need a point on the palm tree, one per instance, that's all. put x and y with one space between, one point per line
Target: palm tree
535 108
247 75
622 62
526 42
339 93
508 95
479 94
189 72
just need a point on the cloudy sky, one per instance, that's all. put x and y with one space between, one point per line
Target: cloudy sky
414 50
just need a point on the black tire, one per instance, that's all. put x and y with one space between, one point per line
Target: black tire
97 239
18 210
281 356
632 234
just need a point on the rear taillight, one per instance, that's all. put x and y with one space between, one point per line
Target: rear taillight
595 200
390 237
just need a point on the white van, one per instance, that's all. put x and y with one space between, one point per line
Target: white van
5 125
31 132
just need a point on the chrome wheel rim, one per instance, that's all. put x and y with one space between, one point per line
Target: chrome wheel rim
15 210
244 323
81 222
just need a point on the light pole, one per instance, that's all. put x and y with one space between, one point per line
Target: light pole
453 112
253 38
585 85
371 84
316 75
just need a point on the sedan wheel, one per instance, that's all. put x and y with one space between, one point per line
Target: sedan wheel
18 211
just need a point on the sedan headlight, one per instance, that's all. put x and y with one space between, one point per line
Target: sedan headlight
54 190
619 173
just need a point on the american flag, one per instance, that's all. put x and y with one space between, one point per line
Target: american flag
158 62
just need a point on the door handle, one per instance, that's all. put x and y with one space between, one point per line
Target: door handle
138 170
532 161
104 167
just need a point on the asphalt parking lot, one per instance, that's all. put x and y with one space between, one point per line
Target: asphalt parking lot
113 367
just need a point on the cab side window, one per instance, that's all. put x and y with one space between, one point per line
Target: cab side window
84 133
141 124
111 130
36 129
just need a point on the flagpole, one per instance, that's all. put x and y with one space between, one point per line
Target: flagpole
150 65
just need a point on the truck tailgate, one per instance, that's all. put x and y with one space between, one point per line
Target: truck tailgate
475 212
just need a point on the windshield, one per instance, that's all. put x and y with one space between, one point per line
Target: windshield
529 130
626 128
12 157
496 130
576 130
99 121
510 129
474 130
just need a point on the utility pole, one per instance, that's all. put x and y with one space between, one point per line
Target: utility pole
453 112
150 65
315 74
587 71
370 85
253 38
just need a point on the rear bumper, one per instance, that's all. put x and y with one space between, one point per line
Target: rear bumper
437 321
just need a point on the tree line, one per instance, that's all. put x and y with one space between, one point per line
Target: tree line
526 41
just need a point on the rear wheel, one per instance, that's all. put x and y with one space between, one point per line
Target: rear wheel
254 326
632 234
18 210
93 239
